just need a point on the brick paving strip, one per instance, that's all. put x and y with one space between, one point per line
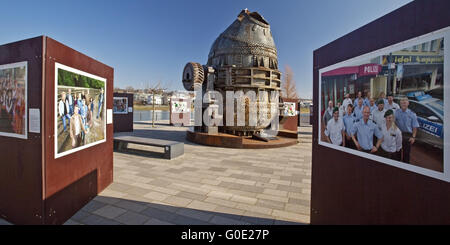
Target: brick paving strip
207 185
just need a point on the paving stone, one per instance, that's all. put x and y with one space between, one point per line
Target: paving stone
183 220
296 208
192 196
138 191
280 182
291 216
257 220
196 214
202 206
80 215
300 201
243 199
69 222
109 211
228 212
157 222
158 196
272 197
98 220
177 201
219 220
4 222
132 218
131 205
218 201
280 193
159 214
210 181
270 204
255 209
93 205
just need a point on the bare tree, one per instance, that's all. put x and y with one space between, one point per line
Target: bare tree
288 88
154 90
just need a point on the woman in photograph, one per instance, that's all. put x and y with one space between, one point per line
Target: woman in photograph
9 104
19 112
76 128
90 112
391 143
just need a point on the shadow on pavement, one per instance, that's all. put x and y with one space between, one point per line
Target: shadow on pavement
118 211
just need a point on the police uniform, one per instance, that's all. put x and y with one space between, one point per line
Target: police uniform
372 108
355 102
392 142
393 107
406 122
378 117
334 131
366 102
346 102
327 115
341 111
364 133
358 112
349 121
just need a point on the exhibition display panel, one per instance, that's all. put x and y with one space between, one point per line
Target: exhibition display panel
56 124
400 61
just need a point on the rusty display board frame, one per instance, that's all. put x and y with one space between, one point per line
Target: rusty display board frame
21 181
36 188
349 189
124 122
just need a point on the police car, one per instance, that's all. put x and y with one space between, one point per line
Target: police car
430 114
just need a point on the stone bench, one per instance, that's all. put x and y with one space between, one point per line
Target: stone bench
172 149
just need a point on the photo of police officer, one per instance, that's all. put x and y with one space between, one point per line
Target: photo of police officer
363 132
349 120
335 130
395 111
407 122
391 142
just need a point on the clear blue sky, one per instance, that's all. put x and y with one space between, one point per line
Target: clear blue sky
151 41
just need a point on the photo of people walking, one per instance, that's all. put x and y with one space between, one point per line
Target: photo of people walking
388 105
13 101
80 119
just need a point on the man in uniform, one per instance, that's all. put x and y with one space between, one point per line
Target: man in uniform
347 101
341 109
378 114
358 111
406 120
367 99
358 98
349 120
364 129
391 104
372 105
328 114
335 130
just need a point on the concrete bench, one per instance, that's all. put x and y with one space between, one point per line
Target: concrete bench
172 149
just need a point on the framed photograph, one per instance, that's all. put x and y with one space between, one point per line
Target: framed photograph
180 107
80 119
13 100
394 111
120 105
289 109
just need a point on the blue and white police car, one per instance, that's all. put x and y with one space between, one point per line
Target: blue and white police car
430 114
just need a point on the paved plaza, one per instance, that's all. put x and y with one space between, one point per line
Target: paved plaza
207 185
